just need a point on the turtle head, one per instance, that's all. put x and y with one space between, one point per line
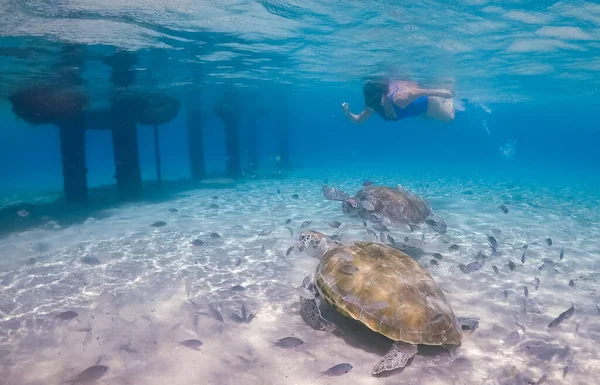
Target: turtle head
314 243
351 206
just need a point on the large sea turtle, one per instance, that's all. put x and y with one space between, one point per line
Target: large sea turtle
384 289
395 207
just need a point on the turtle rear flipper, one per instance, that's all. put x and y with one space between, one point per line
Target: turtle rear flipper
396 357
334 194
468 323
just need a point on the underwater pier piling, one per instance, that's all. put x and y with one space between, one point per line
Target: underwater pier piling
230 116
47 104
195 139
283 136
258 117
59 102
123 126
155 110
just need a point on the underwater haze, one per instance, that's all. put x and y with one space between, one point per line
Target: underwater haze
184 200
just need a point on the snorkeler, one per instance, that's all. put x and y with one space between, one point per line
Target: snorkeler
395 100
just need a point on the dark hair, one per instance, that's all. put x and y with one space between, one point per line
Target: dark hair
373 90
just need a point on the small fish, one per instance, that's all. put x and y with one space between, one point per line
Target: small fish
305 223
159 224
372 232
495 268
42 247
367 183
238 261
536 282
215 236
504 209
335 237
288 342
197 242
348 269
23 213
278 191
290 230
172 210
492 242
337 370
215 197
212 312
346 256
511 265
597 307
549 241
565 371
265 232
335 224
471 266
287 221
295 196
434 262
93 373
238 288
289 251
213 206
523 258
541 380
563 316
572 283
382 237
31 261
367 205
304 292
192 344
562 253
365 223
66 315
263 248
454 247
542 265
525 291
505 292
380 227
512 337
438 256
90 261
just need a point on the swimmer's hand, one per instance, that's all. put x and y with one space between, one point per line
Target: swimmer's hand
346 108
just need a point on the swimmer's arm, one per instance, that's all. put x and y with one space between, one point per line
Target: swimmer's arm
360 118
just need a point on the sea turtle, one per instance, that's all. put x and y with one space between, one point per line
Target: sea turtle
384 289
395 207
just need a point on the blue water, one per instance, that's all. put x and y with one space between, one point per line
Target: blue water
525 134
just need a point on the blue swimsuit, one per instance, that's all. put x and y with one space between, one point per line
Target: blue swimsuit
415 108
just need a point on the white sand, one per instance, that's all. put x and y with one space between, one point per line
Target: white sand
135 301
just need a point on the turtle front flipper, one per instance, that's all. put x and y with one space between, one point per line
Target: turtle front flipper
396 358
309 309
468 323
334 194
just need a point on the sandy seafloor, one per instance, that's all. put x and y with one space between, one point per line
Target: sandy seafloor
133 307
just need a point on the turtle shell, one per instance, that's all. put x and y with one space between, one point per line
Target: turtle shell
396 204
389 292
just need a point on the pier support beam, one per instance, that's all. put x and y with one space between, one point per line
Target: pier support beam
283 137
230 117
195 140
124 133
72 149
